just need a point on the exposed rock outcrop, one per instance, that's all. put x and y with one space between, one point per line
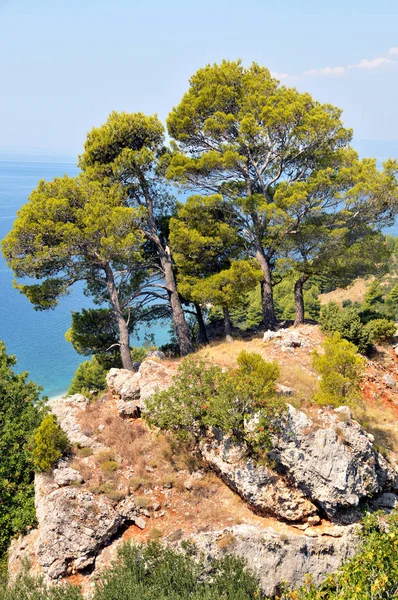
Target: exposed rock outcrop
264 490
283 557
73 526
132 389
66 410
331 459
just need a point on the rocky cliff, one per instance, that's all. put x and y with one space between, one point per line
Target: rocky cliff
293 516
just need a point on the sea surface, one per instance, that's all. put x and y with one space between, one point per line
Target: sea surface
37 337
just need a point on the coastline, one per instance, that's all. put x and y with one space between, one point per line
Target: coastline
57 397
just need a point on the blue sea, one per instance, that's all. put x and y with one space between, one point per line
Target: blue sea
37 337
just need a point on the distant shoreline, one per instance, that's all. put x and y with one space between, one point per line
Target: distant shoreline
57 397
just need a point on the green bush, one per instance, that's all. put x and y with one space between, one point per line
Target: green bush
380 330
49 444
203 396
21 412
31 588
89 377
151 572
341 370
346 322
372 574
154 573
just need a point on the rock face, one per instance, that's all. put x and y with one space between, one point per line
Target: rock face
66 410
153 376
283 557
331 460
262 488
74 525
132 389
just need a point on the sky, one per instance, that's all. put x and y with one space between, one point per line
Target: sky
66 64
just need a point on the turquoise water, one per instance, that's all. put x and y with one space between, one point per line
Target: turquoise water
37 338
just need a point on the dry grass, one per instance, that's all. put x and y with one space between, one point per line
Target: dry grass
226 542
304 381
355 292
381 423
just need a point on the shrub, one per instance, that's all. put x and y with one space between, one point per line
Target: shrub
341 369
154 573
21 412
381 330
109 466
27 587
49 443
89 378
346 322
204 396
84 452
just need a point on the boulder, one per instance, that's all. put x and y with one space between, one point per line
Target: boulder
124 383
389 381
332 461
271 335
67 410
156 354
153 376
65 475
73 526
263 489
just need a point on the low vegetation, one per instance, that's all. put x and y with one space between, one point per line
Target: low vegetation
49 444
203 396
341 370
371 575
153 573
21 412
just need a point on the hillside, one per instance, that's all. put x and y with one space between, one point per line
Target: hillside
293 515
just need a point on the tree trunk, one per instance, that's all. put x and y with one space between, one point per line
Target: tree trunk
299 299
124 337
227 325
202 335
267 299
181 327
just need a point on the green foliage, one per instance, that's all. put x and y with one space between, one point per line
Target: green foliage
49 444
372 574
347 323
341 370
21 412
27 587
89 378
154 573
203 396
226 288
381 330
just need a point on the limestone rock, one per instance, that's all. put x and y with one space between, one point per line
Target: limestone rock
264 490
124 383
73 525
156 354
389 381
271 335
153 376
66 410
332 462
277 557
65 475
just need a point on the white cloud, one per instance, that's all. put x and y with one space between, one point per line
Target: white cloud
325 71
365 64
375 63
280 76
